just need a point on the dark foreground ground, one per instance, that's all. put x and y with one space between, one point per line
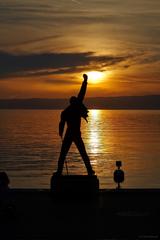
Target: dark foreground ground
109 214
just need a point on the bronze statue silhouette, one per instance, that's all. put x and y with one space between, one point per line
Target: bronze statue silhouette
72 117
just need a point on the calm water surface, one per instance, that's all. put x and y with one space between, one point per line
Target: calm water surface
30 146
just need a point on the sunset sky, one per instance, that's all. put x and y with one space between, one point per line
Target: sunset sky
46 46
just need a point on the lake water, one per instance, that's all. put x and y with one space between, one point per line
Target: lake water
30 146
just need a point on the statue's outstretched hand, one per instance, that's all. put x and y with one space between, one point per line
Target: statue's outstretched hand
85 77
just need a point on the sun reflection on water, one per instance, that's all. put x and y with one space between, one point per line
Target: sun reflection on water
94 137
99 143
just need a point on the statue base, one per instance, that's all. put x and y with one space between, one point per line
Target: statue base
77 186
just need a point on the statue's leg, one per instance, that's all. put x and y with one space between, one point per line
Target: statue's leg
81 147
64 150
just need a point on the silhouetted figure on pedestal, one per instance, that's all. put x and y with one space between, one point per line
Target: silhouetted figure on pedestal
72 116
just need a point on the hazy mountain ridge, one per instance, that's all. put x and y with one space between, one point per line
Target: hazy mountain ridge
122 102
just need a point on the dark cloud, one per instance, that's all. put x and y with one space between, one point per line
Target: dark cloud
31 41
61 81
52 63
151 58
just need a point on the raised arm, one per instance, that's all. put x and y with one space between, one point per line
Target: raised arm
83 89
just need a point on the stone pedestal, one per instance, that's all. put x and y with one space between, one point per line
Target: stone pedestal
75 186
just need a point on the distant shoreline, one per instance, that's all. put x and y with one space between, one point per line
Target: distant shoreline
52 109
148 102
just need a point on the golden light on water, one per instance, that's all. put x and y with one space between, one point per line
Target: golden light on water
94 133
94 140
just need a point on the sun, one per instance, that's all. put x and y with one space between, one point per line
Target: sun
95 76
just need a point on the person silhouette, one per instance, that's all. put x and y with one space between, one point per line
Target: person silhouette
72 116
